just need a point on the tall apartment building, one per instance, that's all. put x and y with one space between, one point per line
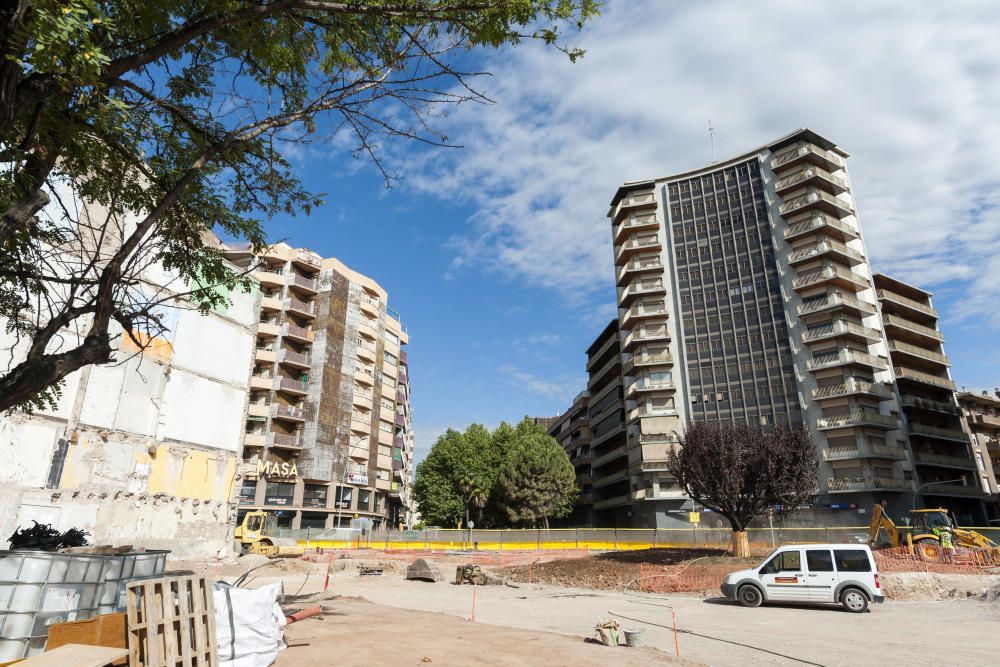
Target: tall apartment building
942 458
745 293
981 417
572 430
328 431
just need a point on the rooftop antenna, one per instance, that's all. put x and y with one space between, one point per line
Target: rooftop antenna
711 138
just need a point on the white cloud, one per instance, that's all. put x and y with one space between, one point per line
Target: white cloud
557 390
909 89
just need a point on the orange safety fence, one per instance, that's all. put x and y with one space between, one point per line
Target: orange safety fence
964 561
487 558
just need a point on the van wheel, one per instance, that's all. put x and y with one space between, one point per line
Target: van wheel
854 600
749 596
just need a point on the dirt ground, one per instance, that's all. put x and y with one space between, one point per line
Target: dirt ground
356 632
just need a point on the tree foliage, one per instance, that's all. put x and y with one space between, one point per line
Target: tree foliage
739 470
462 475
173 117
538 483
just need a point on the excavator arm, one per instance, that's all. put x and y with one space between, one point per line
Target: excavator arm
880 521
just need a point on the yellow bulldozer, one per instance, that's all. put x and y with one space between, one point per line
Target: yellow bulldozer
257 535
921 537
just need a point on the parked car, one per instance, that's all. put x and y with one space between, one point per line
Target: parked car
844 574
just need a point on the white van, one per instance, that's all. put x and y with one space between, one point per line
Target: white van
810 573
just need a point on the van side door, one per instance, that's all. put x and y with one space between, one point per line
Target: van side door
821 575
784 576
855 566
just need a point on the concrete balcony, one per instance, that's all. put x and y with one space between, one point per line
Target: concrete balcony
254 440
284 441
928 405
638 266
290 413
300 308
368 331
613 455
864 452
837 301
849 485
814 199
938 433
904 329
904 373
642 386
294 359
846 358
853 387
311 262
641 311
915 355
943 460
369 305
270 278
609 503
906 304
646 360
268 329
644 221
806 153
643 411
821 223
265 382
841 329
259 409
645 335
265 356
986 420
365 375
867 418
607 480
366 352
952 490
637 243
632 202
597 355
812 176
832 274
290 386
303 284
297 333
829 249
597 376
271 303
640 288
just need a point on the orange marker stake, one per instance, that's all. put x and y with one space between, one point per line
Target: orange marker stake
474 603
329 564
677 646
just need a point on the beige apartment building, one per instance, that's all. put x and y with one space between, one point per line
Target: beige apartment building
328 428
745 293
981 418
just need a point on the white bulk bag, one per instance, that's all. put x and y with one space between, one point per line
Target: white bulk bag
249 625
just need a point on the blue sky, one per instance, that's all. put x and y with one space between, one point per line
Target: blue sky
498 255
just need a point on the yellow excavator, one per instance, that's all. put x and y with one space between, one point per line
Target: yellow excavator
920 535
256 535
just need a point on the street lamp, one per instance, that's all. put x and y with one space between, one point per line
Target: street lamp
913 505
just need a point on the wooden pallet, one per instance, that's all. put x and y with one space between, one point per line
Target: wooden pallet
171 622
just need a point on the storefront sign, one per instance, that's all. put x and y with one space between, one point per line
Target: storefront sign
275 469
357 478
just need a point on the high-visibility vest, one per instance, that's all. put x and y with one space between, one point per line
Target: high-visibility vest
946 538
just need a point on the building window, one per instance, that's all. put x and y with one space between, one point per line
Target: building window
364 499
248 492
386 403
381 473
313 520
314 495
278 493
385 426
344 497
384 450
390 358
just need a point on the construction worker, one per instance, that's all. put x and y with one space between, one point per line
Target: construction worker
947 545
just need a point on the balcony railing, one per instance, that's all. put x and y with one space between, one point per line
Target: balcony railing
289 384
821 222
857 418
827 273
595 376
636 221
639 360
302 281
643 265
639 287
299 306
611 502
841 328
986 419
284 440
931 458
845 357
914 350
837 300
953 490
930 405
294 330
616 453
903 373
871 484
864 452
895 320
294 358
289 411
639 198
938 433
805 151
645 310
639 243
819 199
827 247
853 386
814 175
912 304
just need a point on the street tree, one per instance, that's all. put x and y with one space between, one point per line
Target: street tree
740 470
129 129
538 482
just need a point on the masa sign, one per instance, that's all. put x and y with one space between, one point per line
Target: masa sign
275 469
